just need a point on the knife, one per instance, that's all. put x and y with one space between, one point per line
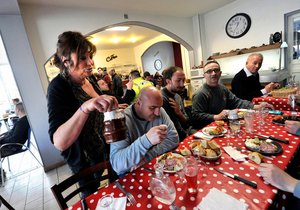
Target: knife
252 184
274 138
83 204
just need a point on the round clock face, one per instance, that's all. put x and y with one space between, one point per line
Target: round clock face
238 25
157 64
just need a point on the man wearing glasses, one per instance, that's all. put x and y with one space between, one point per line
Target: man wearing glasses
213 101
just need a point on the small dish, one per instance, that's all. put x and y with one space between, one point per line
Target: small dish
207 131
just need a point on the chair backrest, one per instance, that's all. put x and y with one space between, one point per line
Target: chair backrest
58 189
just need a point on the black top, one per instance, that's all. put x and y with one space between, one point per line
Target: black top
18 134
117 86
62 104
246 87
181 129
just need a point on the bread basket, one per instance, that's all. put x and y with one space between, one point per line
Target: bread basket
283 92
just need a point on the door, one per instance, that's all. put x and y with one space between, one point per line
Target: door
292 34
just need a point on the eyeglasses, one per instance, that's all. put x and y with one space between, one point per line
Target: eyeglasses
210 71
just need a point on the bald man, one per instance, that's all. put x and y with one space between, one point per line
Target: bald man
246 85
150 133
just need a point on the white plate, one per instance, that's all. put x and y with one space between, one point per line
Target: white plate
207 129
178 158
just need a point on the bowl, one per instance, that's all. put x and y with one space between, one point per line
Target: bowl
211 158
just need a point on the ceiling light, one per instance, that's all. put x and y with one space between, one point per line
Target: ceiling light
116 40
94 40
118 28
133 39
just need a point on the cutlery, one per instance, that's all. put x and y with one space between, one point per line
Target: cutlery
149 169
83 204
274 138
235 177
129 196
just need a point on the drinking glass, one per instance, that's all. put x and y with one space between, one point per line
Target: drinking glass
180 172
106 201
235 127
263 114
249 120
191 171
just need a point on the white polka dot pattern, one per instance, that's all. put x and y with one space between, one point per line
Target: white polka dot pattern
137 182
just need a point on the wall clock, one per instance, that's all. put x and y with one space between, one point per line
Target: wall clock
158 64
238 25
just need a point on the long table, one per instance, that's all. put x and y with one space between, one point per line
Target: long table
278 103
137 182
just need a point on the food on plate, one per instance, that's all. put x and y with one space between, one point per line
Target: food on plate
253 143
185 151
218 130
241 114
263 146
171 161
205 148
256 157
267 147
220 122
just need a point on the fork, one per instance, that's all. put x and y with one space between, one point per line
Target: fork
129 196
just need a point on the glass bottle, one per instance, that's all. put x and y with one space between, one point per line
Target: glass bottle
161 186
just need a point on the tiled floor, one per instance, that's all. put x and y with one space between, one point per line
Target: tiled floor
27 186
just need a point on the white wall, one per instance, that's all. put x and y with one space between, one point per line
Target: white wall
267 16
44 24
25 72
162 51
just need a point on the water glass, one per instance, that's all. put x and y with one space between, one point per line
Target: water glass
263 114
180 172
249 120
106 202
235 127
191 171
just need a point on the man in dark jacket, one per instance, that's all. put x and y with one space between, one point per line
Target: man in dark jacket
18 134
117 85
246 85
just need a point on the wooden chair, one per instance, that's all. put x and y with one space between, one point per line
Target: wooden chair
24 147
5 203
58 189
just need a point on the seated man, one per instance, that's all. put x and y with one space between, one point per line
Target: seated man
150 133
173 104
245 83
213 100
18 134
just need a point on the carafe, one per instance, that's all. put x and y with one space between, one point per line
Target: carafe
114 128
161 186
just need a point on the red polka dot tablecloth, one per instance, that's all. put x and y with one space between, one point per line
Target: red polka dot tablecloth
278 103
137 182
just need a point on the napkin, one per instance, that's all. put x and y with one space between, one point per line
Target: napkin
216 200
118 203
201 135
234 154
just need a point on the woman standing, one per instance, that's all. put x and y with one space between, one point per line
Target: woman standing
76 105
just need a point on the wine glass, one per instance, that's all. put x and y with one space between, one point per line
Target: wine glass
106 201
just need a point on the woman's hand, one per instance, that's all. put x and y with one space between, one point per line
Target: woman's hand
102 103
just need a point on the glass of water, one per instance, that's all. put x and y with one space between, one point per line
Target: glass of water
106 202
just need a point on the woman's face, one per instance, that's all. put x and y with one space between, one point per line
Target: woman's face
82 67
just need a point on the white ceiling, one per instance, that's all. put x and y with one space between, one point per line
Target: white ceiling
176 8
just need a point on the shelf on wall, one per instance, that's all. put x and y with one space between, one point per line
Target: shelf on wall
246 50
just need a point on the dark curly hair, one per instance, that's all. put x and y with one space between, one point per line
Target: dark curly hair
71 42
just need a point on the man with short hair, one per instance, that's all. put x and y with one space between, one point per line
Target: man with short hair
138 82
174 78
213 100
246 85
117 85
18 134
150 133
